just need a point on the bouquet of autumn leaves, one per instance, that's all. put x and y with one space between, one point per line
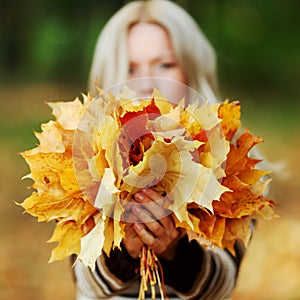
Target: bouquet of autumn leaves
99 152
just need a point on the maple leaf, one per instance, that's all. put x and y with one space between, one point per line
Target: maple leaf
68 113
218 148
237 158
107 192
58 195
47 208
109 235
50 139
68 234
239 204
168 121
250 175
46 169
195 118
163 104
237 230
230 115
92 244
129 104
172 165
207 224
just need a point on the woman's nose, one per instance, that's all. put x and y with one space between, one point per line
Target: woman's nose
143 86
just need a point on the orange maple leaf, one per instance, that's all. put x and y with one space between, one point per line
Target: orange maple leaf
237 158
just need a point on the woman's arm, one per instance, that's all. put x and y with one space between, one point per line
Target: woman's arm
199 273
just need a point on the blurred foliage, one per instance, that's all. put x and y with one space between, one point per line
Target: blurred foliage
50 40
257 42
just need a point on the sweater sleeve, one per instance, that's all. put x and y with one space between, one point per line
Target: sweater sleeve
113 274
202 273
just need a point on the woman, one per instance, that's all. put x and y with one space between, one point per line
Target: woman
193 52
148 39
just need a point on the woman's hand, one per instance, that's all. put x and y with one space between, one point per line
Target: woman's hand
150 224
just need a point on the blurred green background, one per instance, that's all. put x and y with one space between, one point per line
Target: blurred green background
257 41
46 49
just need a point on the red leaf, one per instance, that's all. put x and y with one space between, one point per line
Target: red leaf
152 110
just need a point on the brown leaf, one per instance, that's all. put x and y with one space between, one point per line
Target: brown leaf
240 204
237 229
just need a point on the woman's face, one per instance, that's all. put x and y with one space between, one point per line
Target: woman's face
151 55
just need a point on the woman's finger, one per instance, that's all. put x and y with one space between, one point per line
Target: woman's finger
133 244
153 202
165 235
164 248
145 236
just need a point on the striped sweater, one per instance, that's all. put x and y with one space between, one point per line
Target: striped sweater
194 273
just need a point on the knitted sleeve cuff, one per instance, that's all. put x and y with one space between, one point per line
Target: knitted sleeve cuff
122 265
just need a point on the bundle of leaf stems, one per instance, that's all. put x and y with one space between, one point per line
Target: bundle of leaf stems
151 274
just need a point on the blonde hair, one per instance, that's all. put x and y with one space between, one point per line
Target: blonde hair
193 51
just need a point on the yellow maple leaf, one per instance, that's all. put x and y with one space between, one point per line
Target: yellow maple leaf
195 118
46 169
50 139
68 235
68 113
47 208
92 244
162 102
230 115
